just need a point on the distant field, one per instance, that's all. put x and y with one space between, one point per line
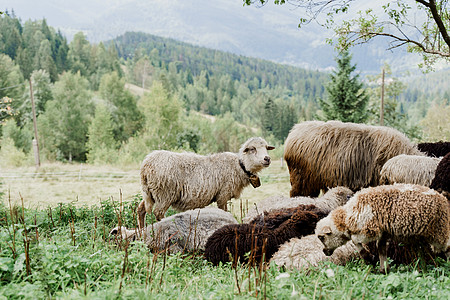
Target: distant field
83 184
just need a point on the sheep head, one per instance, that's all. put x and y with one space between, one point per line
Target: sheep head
330 236
254 155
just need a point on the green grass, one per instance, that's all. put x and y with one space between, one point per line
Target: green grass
66 252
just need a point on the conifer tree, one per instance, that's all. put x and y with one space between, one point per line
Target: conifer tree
347 101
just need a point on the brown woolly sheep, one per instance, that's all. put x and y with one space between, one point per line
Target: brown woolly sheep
232 242
399 212
441 181
322 155
188 180
273 219
307 252
437 149
333 198
413 169
182 232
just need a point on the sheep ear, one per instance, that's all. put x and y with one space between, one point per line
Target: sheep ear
326 230
270 147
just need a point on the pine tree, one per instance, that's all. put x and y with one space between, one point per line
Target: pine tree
347 101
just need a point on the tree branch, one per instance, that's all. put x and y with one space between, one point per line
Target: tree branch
437 18
424 3
399 39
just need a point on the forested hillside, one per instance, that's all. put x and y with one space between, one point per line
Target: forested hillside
85 112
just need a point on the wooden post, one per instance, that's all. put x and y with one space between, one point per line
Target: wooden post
35 140
382 99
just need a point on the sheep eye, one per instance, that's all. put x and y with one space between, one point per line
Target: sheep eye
250 149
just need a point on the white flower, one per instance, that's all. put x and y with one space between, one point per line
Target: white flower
329 272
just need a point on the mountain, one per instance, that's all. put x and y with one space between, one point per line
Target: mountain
270 32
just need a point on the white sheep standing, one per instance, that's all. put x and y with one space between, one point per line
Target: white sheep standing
412 169
333 198
307 252
188 180
183 232
399 212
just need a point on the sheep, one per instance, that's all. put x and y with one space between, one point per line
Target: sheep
185 231
333 198
306 252
441 180
234 241
413 169
400 212
273 219
188 180
437 149
321 155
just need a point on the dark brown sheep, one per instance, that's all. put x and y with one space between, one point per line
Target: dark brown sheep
321 155
437 149
441 181
273 219
233 242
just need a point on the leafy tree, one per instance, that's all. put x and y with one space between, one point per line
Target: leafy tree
421 25
42 92
79 54
101 145
228 135
11 87
21 137
162 117
44 60
125 113
393 115
347 100
64 124
436 124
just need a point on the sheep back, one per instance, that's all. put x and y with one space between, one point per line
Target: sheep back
306 252
322 155
402 211
437 149
233 242
333 198
183 232
188 180
414 169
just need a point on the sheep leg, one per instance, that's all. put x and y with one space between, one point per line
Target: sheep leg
145 207
365 255
382 246
141 214
160 209
222 203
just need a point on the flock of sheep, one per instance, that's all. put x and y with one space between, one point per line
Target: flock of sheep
381 196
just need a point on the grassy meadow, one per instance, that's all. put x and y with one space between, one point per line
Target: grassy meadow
54 243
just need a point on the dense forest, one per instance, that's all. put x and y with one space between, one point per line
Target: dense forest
116 101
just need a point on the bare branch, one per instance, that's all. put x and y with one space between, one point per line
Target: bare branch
399 39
